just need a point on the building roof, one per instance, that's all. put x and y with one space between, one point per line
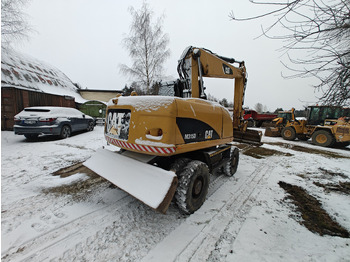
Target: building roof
101 91
22 71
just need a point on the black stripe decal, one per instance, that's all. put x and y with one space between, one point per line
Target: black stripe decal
194 130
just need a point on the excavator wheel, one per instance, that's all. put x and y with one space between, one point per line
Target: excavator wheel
323 138
230 167
288 133
192 187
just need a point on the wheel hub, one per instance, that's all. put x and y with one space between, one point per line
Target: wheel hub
321 138
288 133
197 187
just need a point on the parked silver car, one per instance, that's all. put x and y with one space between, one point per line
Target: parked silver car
61 121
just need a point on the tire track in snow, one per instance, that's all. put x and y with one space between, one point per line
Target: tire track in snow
122 231
233 213
41 244
194 239
217 180
93 235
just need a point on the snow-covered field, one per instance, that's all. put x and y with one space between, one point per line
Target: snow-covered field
74 215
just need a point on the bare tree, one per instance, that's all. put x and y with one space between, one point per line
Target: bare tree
212 98
147 47
259 107
14 24
321 29
224 102
265 109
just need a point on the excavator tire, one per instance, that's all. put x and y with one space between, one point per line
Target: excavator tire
192 187
323 138
230 167
288 133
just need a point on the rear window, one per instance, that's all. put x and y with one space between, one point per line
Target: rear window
36 110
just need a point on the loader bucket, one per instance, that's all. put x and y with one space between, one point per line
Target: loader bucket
249 136
272 131
153 186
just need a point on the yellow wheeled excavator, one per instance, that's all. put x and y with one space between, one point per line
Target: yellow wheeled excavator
170 144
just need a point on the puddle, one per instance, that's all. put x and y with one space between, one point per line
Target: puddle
314 217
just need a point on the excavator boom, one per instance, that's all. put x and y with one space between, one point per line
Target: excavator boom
196 63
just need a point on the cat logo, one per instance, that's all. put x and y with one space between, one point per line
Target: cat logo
208 134
227 70
117 124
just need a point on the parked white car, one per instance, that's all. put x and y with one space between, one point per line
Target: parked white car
60 121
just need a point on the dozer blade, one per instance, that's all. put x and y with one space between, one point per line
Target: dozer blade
249 136
152 185
272 131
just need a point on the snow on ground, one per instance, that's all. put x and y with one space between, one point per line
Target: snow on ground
82 217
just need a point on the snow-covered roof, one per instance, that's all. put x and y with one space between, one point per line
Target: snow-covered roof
23 71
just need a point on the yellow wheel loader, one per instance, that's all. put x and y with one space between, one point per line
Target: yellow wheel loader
325 125
170 145
280 122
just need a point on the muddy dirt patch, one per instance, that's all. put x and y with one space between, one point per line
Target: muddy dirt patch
74 146
243 146
323 174
341 187
308 150
74 169
80 188
331 173
313 216
261 152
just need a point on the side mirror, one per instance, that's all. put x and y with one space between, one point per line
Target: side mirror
83 116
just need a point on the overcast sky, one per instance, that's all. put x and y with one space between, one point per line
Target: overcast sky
83 38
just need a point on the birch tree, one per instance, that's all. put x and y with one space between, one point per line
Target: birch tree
147 46
14 24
